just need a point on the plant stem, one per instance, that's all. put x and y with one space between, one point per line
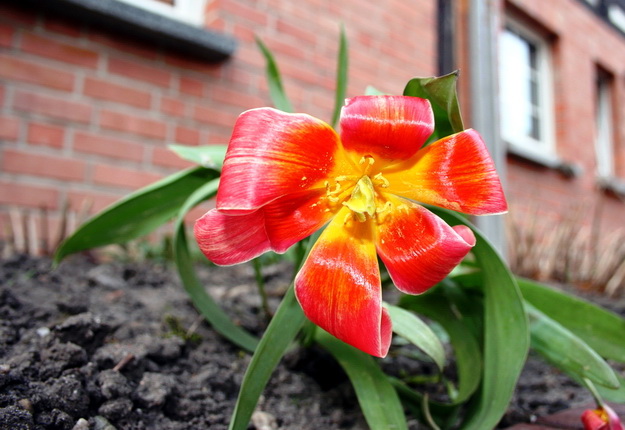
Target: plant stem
260 282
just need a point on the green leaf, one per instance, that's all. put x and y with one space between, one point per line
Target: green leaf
506 332
281 331
136 214
341 78
613 395
211 156
373 91
203 302
601 329
409 326
444 415
441 92
566 351
276 90
378 399
436 306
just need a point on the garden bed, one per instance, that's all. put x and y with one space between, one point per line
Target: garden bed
119 346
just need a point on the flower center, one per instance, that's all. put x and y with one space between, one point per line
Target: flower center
359 192
362 200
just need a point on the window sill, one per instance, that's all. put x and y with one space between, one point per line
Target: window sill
612 185
123 18
551 161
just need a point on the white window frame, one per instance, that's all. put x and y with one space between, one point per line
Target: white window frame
188 11
604 122
542 150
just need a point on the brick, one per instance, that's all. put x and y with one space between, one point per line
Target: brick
65 52
107 146
244 33
105 90
244 12
46 134
53 107
236 97
125 45
214 116
133 124
33 73
183 62
17 14
189 136
302 35
28 163
6 35
165 158
172 106
12 193
122 177
9 128
140 71
92 200
193 87
67 27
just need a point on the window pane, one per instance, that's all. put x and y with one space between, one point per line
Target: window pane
520 87
604 144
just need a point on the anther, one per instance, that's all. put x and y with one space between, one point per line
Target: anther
382 181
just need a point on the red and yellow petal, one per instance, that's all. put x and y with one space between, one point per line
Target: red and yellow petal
293 217
273 153
455 173
418 248
230 239
603 418
339 289
388 128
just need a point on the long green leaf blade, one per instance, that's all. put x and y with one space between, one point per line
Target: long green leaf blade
506 332
378 399
601 329
613 395
211 156
203 302
444 415
281 331
341 78
136 214
274 80
566 351
413 329
466 347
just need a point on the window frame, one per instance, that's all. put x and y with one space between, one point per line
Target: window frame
187 11
541 150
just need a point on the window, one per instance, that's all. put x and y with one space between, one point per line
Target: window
189 11
525 93
604 140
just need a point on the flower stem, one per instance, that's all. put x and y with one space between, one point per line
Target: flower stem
260 282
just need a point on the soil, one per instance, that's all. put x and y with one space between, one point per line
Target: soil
120 346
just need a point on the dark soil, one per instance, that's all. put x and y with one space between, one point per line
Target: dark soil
119 346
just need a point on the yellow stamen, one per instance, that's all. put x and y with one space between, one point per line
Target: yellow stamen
381 181
362 200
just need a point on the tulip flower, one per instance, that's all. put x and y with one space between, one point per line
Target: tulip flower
603 418
287 175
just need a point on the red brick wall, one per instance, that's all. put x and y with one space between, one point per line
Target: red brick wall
86 115
582 42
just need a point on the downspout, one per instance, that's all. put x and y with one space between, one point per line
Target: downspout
484 90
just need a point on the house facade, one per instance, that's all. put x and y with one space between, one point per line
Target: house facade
90 96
